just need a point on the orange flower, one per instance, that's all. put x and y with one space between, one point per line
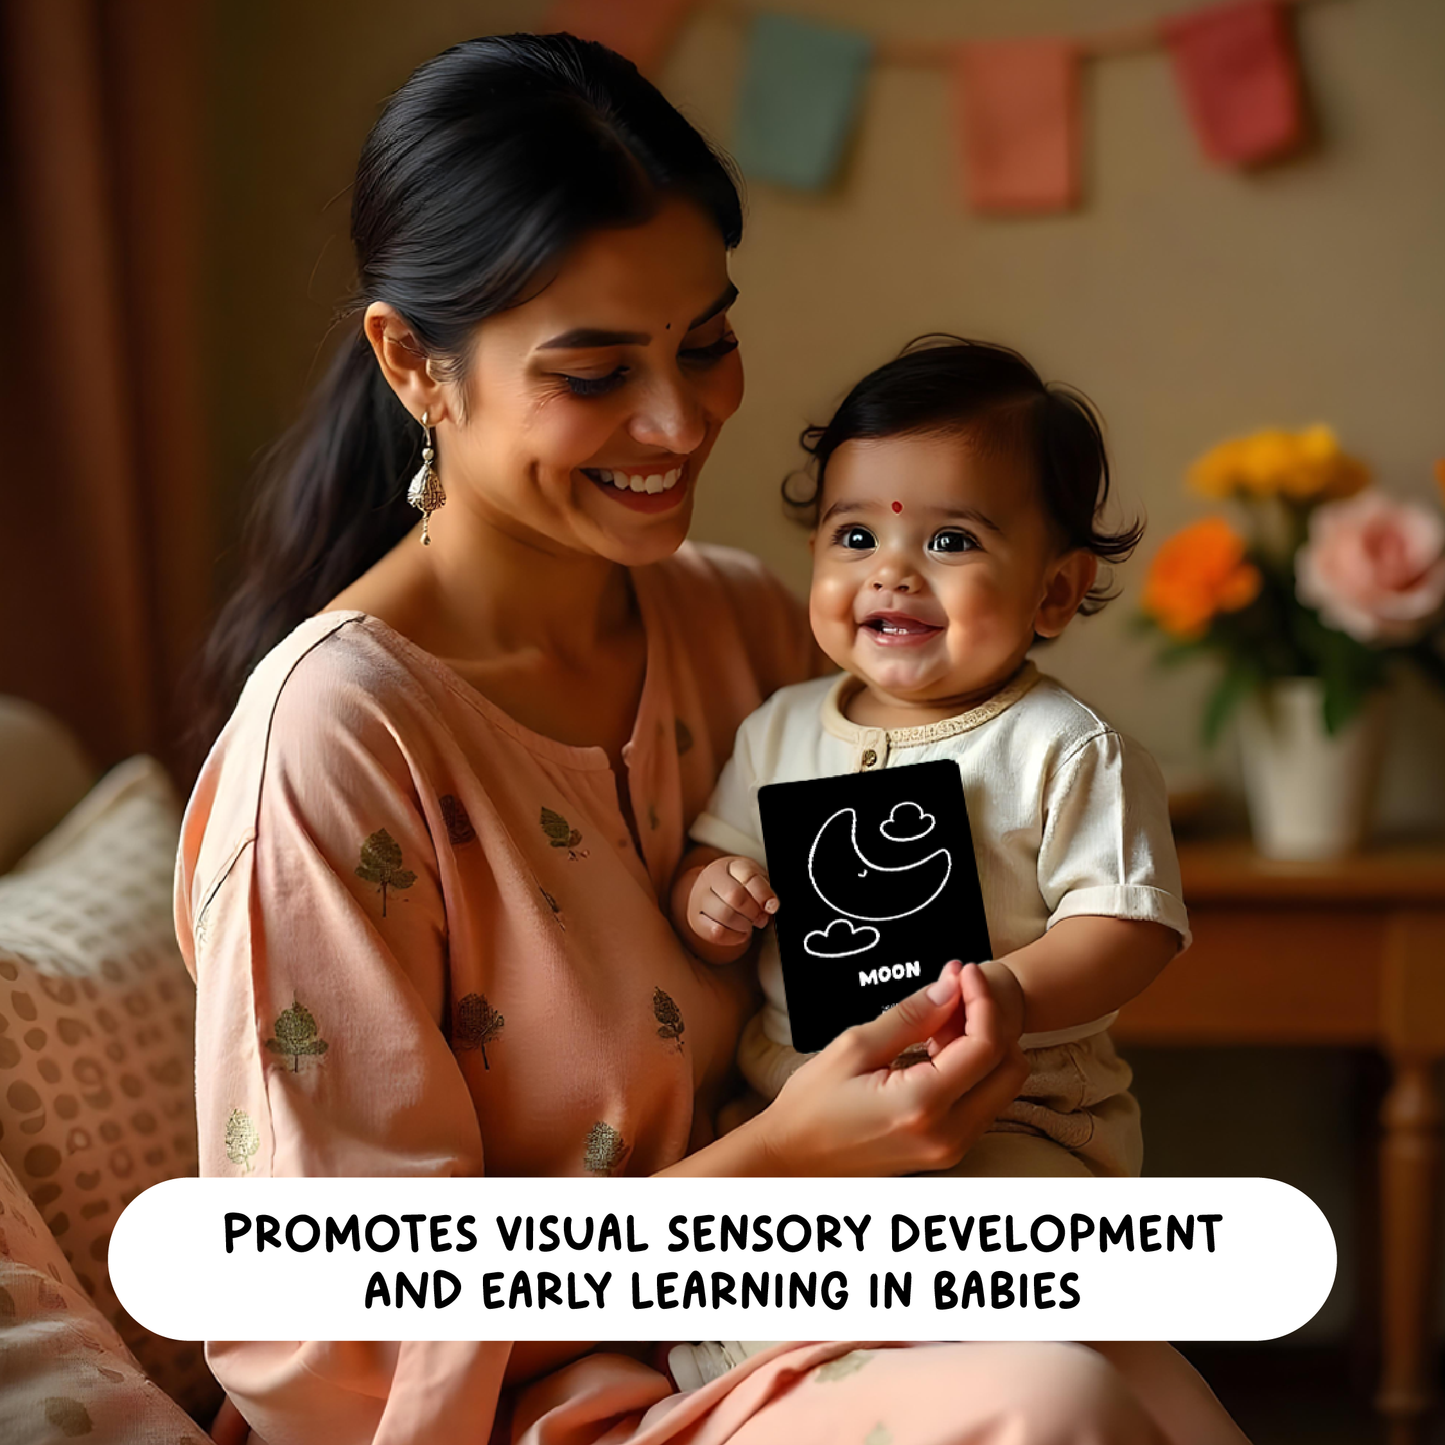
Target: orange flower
1197 574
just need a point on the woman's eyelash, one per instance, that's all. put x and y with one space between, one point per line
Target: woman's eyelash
715 351
594 385
585 386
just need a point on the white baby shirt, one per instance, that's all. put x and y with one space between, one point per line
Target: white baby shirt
1068 816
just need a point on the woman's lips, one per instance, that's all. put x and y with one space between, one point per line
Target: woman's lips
896 630
641 491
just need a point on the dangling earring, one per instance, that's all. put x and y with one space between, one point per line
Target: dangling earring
425 492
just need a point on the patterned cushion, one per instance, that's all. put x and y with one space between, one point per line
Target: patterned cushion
97 1020
43 774
66 1372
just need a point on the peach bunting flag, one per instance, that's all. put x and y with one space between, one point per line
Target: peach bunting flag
642 30
1238 72
1017 108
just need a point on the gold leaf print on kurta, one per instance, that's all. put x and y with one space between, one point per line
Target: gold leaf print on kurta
242 1139
561 834
458 821
297 1036
476 1022
606 1149
668 1016
381 864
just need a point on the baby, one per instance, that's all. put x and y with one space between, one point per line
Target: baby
955 524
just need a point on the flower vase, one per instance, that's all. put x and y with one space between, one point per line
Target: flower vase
1310 794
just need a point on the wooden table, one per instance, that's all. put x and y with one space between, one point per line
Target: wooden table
1349 953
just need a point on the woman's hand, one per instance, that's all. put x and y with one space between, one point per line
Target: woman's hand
848 1111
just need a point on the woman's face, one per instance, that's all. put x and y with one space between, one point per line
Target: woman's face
591 408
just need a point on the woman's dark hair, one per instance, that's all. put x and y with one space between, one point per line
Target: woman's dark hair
482 171
942 384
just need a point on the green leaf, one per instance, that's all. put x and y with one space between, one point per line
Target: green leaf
1231 689
556 828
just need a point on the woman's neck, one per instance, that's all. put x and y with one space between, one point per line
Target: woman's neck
481 593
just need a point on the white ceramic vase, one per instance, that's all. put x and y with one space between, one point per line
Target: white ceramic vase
1310 795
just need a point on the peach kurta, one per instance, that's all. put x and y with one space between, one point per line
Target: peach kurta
426 944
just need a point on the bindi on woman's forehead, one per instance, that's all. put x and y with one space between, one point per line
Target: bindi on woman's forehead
898 506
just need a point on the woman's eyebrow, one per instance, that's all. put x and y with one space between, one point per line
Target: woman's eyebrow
582 338
729 295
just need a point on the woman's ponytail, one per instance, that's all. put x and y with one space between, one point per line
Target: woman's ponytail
330 502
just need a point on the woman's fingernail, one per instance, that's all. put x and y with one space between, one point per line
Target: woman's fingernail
771 905
941 991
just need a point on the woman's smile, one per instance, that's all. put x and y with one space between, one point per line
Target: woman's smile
643 487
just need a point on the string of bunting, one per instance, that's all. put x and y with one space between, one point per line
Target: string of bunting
1016 102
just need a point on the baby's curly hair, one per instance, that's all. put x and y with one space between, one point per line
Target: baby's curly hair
944 384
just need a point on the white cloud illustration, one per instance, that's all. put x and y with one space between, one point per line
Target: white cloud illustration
907 823
822 944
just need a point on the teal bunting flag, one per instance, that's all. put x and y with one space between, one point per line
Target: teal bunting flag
801 88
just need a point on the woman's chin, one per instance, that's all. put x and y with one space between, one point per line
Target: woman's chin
635 539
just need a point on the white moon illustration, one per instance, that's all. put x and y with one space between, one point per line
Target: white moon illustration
877 893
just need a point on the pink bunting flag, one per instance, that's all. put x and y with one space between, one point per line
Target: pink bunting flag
642 30
1239 74
1017 105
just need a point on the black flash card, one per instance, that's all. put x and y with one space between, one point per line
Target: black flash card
877 889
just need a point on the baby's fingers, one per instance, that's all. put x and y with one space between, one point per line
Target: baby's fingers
754 878
738 895
715 913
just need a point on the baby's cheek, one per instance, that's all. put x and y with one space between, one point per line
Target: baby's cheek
830 614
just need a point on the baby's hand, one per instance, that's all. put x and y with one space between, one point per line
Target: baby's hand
729 898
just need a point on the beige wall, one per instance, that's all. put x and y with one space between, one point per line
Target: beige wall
1190 303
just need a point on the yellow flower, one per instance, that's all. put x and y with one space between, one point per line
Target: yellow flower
1197 574
1304 466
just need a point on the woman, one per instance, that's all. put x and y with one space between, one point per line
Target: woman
420 873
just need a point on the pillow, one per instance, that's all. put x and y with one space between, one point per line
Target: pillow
66 1372
97 1023
43 773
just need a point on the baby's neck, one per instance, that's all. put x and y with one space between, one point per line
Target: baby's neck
870 707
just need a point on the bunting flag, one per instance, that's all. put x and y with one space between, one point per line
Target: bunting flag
801 86
1237 69
642 30
1017 105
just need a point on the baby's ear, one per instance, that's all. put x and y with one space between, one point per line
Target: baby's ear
1068 582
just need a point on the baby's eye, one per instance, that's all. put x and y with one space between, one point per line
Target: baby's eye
952 540
854 538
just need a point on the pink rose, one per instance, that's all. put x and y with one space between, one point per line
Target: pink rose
1374 567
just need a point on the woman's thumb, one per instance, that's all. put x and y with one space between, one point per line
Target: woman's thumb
913 1021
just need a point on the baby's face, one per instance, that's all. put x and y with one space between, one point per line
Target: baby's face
934 564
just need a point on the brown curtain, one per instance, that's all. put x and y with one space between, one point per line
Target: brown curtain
104 524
